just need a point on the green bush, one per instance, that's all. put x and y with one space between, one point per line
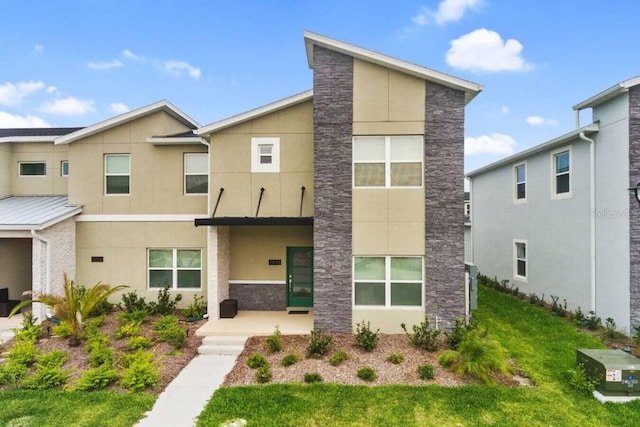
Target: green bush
170 331
425 372
593 322
102 308
135 316
97 378
263 374
480 357
338 357
30 331
319 344
101 355
53 359
257 360
132 302
12 373
195 309
62 330
138 343
46 377
448 358
290 359
92 326
367 374
423 336
458 333
274 341
128 359
130 329
140 373
24 353
395 358
581 381
164 305
365 337
312 377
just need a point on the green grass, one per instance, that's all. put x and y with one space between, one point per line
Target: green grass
60 408
544 346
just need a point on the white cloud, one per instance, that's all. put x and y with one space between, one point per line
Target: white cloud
105 65
496 143
118 108
128 54
448 11
12 121
14 93
178 67
505 110
69 106
540 121
52 89
485 50
38 48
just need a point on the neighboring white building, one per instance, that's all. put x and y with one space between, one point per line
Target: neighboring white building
559 219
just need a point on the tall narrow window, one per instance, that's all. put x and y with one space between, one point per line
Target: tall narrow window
520 175
32 168
387 161
196 173
64 168
520 259
117 173
265 155
562 164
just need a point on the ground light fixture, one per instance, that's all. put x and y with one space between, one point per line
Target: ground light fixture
636 191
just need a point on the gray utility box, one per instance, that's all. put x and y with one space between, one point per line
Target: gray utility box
618 371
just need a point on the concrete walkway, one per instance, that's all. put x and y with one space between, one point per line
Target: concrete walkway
185 398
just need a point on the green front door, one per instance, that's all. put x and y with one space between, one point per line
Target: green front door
300 277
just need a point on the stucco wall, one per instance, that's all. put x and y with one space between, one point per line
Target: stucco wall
50 184
5 170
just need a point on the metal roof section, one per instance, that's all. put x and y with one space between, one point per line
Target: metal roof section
607 94
34 212
255 113
163 105
34 134
312 39
588 130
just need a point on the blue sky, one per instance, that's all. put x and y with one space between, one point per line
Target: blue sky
74 63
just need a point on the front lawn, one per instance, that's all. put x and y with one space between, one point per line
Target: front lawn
543 346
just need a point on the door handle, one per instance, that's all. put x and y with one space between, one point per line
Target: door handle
290 281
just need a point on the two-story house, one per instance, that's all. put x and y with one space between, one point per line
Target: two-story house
558 219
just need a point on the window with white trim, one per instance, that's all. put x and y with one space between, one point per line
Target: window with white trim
520 259
32 168
388 161
265 155
175 268
64 168
520 178
117 171
387 281
562 173
196 173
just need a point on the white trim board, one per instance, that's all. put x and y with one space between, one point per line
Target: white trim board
139 218
257 282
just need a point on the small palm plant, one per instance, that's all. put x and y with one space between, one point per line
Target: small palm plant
73 306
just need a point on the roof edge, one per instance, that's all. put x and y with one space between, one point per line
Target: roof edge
7 139
607 94
563 139
175 140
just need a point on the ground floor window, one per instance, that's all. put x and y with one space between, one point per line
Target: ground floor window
175 268
387 281
520 259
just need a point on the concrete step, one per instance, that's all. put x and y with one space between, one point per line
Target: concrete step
222 345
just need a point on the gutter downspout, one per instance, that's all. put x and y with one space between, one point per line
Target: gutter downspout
47 274
592 219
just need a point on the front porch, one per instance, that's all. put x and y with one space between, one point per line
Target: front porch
263 323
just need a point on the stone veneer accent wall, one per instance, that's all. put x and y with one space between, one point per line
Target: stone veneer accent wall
444 198
333 130
261 297
634 208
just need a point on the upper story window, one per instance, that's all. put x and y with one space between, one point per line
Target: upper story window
520 178
32 168
520 259
64 168
561 173
265 155
117 168
387 161
387 281
196 173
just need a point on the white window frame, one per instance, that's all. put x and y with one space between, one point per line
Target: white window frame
62 163
32 162
258 167
467 208
554 154
387 283
387 163
517 242
174 269
187 173
128 174
516 182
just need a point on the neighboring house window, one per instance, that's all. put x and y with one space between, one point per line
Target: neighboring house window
387 161
467 208
387 281
520 259
562 173
175 268
196 173
520 175
32 168
117 173
265 154
64 168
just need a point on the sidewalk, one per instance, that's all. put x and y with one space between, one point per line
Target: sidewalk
186 396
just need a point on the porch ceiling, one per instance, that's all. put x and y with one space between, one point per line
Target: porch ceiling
20 213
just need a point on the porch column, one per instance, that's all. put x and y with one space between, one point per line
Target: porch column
217 269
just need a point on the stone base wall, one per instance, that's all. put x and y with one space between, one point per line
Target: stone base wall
259 297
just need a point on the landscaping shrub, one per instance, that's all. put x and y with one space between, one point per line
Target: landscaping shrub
63 330
425 372
478 356
610 329
102 308
195 309
557 308
140 373
312 377
290 359
92 326
170 331
274 341
423 336
30 331
23 353
53 359
263 374
132 302
12 373
135 316
367 374
447 358
256 360
138 343
101 355
130 329
365 337
581 381
127 359
593 322
46 377
458 333
395 358
319 344
164 305
338 357
97 378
